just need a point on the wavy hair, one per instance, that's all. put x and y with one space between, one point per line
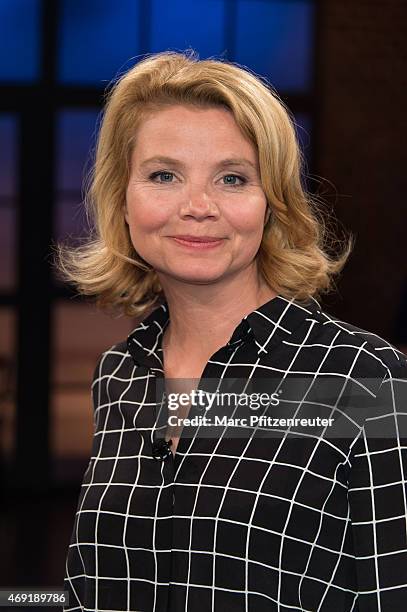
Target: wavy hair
293 257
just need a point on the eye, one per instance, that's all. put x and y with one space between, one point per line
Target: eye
168 176
234 176
163 173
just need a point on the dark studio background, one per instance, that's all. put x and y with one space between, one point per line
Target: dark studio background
340 65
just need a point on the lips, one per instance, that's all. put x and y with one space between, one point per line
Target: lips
198 238
198 243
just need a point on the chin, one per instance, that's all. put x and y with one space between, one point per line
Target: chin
200 278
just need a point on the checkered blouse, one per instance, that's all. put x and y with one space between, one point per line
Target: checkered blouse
252 518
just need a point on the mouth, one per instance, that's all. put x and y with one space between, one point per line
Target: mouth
199 243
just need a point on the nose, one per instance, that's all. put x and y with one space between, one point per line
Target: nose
199 204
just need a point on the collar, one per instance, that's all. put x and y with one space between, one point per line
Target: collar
274 321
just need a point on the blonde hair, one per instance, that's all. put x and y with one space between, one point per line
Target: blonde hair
292 257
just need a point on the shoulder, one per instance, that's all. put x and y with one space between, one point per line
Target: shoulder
374 368
112 363
375 354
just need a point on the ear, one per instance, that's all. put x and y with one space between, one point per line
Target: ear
268 214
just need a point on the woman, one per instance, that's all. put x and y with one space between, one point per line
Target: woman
204 231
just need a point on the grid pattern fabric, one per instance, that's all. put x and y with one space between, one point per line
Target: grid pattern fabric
254 523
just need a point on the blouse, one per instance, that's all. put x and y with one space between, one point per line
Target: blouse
286 513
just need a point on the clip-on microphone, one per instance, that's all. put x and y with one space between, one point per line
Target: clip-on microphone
161 449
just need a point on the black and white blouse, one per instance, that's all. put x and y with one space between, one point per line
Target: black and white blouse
275 517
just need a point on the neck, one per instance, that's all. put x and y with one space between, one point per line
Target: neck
203 317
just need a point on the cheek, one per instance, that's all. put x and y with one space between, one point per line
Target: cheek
247 219
145 214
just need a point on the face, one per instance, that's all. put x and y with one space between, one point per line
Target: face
194 174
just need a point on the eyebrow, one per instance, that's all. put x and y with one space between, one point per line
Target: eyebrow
224 163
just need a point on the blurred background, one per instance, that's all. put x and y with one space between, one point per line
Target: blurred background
340 66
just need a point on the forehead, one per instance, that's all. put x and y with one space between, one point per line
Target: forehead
186 128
